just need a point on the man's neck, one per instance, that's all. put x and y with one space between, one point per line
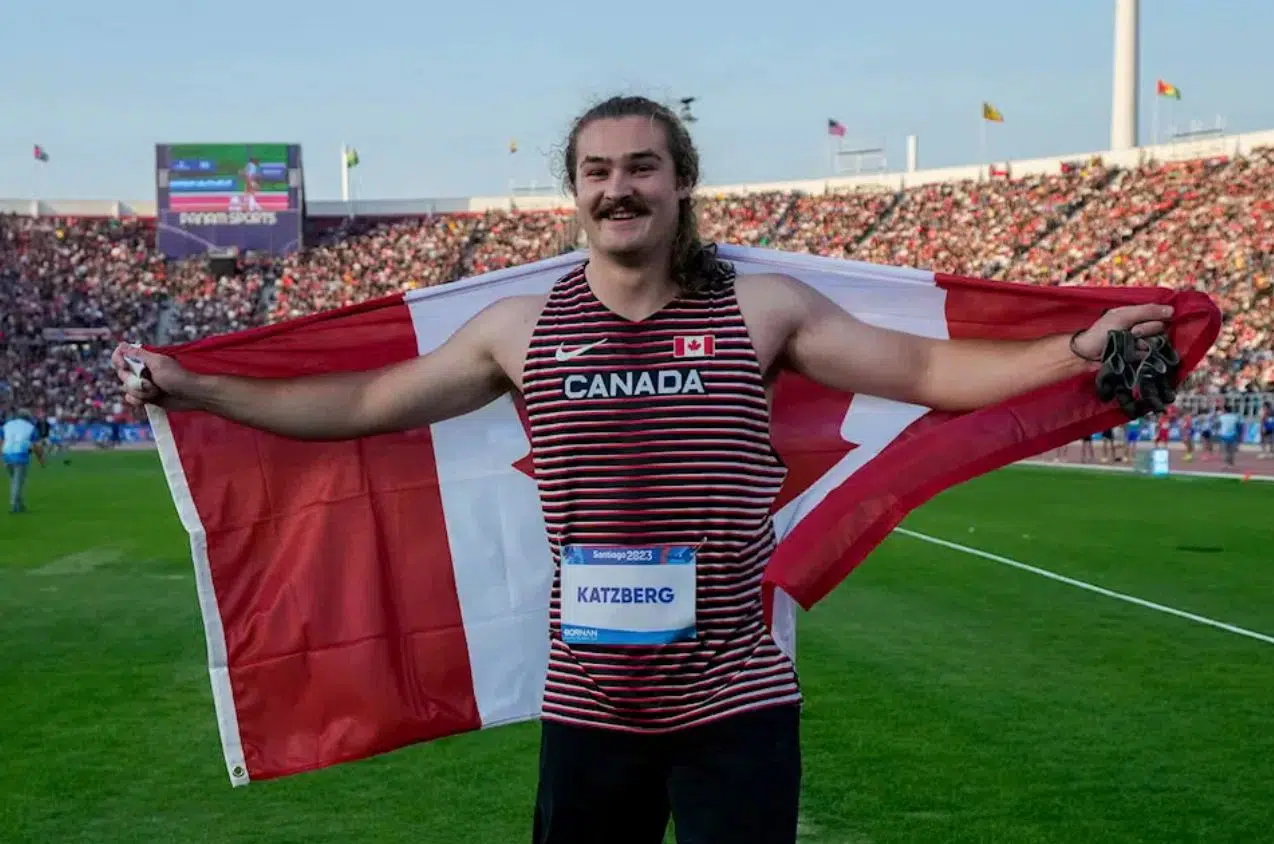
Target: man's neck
632 292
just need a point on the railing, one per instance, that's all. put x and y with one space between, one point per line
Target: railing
1247 405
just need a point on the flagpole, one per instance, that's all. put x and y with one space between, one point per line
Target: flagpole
1154 120
982 162
344 173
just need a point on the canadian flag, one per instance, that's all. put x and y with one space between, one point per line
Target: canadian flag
696 346
361 596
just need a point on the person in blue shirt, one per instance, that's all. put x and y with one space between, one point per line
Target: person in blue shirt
21 440
1228 428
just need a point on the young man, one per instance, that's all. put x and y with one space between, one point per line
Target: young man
685 705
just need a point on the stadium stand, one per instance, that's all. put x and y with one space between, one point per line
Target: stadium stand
1206 222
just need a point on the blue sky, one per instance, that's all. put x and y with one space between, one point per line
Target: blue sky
431 93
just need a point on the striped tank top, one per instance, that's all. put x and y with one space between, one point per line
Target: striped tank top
655 435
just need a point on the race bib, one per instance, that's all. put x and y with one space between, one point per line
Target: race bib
628 595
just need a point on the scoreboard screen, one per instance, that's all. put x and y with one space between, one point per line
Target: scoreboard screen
245 196
228 177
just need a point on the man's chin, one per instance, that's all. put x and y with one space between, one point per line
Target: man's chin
625 250
632 258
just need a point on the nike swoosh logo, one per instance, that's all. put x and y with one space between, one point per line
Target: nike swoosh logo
562 355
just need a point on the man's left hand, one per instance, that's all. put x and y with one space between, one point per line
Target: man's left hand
1141 320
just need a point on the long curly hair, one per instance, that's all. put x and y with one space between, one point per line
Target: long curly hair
694 265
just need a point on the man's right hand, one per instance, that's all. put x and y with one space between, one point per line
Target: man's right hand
169 385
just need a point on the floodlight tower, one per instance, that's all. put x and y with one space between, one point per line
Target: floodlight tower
1123 112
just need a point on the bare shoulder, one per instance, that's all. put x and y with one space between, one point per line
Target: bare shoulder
506 328
773 305
770 287
512 311
778 295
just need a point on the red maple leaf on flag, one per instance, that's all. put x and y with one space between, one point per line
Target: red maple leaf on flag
806 431
525 464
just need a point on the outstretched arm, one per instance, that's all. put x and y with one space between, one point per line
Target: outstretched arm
460 376
828 345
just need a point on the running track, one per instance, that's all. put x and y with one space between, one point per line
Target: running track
1247 462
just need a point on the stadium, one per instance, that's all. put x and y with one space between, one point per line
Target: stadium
1073 648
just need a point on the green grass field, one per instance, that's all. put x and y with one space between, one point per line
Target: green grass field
950 698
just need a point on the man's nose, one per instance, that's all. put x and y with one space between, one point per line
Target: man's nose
619 185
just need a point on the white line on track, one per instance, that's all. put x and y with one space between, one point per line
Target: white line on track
1070 581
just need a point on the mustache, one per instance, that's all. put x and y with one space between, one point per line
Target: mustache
631 204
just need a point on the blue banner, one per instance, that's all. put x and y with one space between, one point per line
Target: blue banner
99 432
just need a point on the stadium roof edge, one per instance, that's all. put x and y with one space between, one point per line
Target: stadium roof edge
1179 150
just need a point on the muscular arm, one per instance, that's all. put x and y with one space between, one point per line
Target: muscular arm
454 379
834 348
822 341
462 375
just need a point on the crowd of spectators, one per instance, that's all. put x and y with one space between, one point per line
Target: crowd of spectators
1205 224
73 273
203 305
981 228
1218 238
367 259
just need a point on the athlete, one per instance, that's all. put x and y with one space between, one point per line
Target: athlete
681 704
1163 429
1132 433
247 201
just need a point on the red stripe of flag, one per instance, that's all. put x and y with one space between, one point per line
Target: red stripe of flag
350 536
941 450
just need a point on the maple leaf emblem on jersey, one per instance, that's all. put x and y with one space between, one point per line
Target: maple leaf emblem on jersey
805 426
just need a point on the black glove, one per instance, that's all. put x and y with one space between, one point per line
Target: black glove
1140 384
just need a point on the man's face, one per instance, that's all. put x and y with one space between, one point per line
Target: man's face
626 191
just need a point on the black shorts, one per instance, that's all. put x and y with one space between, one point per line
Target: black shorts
736 780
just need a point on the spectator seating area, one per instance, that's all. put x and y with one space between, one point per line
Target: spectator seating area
1203 224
